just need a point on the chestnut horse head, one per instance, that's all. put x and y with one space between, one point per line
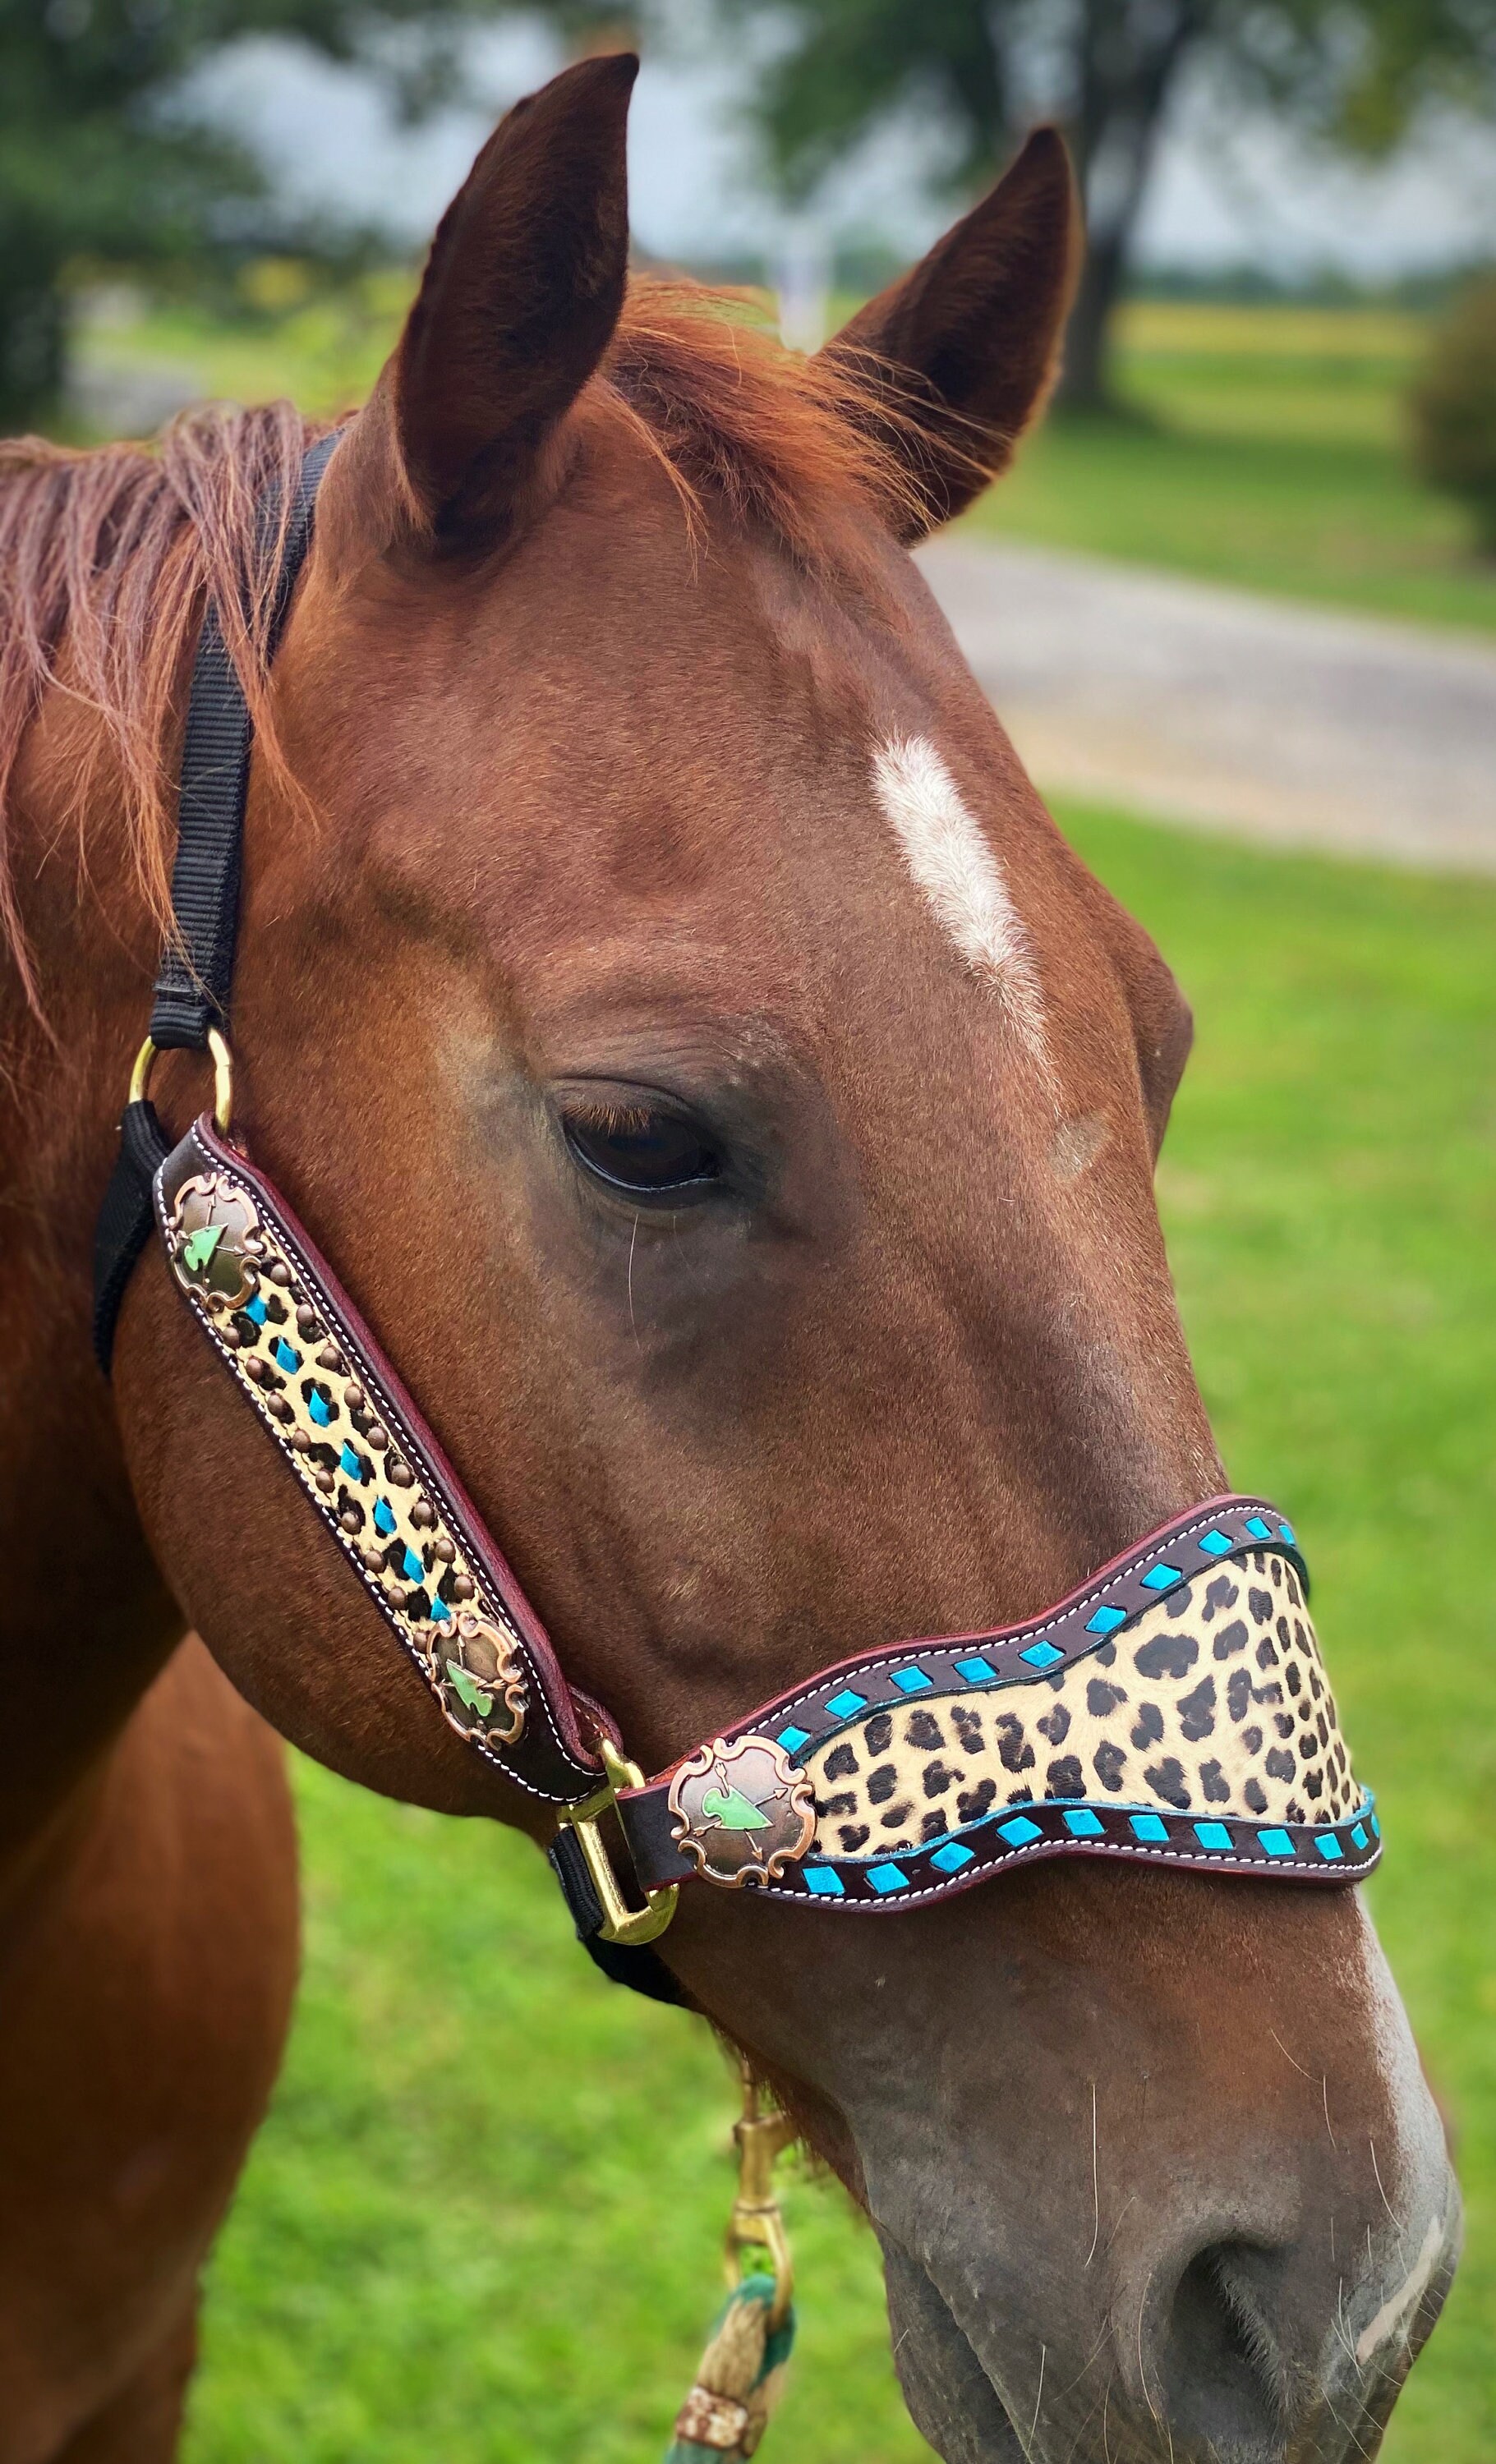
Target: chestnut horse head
734 1107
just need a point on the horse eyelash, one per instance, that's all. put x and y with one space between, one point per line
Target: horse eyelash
610 1121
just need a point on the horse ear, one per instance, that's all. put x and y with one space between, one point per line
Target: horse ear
520 294
965 345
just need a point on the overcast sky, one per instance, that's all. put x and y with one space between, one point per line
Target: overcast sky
1231 189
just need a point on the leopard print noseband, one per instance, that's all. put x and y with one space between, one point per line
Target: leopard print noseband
1173 1709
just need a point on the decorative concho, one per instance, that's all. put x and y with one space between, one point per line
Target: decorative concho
482 1685
215 1247
273 1329
743 1812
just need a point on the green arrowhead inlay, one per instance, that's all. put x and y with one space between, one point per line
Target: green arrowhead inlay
733 1811
199 1245
468 1690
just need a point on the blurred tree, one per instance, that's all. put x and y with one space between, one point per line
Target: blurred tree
1454 407
105 162
1355 71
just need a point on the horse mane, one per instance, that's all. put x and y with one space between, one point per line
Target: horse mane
107 556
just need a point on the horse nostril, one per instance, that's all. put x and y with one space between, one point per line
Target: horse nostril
1224 2380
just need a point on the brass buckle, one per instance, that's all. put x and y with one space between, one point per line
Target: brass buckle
756 2223
223 1077
620 1922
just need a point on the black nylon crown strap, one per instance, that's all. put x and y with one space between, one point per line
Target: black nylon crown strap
197 975
197 966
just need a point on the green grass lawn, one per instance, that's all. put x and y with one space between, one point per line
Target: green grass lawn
481 2224
1267 451
1267 446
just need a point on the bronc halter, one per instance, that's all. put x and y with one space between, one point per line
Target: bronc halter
1173 1708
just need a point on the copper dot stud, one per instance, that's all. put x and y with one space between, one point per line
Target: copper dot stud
254 1369
307 1320
231 1337
280 1273
401 1473
444 1550
395 1596
378 1437
350 1520
373 1558
301 1441
423 1515
354 1396
329 1356
462 1587
324 1482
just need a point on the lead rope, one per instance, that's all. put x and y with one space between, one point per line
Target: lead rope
740 2376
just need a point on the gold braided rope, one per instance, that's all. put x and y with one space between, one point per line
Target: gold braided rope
741 2375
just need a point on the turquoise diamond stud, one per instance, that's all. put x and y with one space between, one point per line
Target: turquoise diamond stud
842 1705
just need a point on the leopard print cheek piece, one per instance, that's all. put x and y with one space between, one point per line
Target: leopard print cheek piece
1215 1702
366 1459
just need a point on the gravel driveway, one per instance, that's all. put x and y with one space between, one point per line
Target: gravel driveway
1240 713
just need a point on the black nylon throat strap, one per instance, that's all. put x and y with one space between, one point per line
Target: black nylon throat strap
194 986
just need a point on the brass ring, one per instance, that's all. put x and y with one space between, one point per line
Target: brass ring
223 1077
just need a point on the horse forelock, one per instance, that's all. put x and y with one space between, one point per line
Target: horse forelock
108 556
107 559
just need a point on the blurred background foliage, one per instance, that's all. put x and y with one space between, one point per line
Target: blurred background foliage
1357 71
1454 408
109 160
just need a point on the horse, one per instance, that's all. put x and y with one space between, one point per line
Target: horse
665 992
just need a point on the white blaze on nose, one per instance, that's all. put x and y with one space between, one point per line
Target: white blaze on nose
947 852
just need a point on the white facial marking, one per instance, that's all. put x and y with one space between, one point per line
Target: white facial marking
948 855
1076 1144
1396 2312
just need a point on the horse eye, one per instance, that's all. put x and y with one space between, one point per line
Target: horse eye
646 1153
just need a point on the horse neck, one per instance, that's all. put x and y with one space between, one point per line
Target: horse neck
85 1621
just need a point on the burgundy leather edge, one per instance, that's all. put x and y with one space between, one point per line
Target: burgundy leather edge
559 1702
862 1662
656 1874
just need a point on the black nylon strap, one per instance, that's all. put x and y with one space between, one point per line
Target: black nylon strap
192 992
632 1964
125 1220
197 969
